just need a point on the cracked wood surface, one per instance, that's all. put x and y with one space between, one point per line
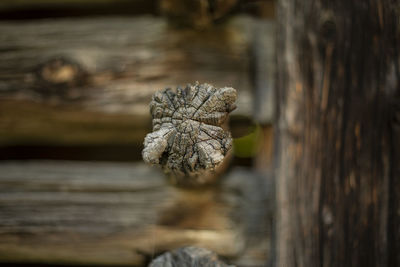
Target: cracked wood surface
188 138
188 257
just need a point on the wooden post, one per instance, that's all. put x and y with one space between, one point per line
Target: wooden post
338 94
188 139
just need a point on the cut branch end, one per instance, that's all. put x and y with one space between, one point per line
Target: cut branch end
189 138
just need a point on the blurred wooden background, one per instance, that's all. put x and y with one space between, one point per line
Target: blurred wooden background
76 78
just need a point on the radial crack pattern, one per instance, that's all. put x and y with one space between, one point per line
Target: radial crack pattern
188 137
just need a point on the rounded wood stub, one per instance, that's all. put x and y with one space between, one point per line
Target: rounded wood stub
190 139
189 257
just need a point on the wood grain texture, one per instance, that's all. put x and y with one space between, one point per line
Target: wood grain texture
188 139
100 66
338 89
125 214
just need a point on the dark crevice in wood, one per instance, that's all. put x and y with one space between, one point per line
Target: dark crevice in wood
393 233
60 10
343 137
321 229
104 152
392 218
33 264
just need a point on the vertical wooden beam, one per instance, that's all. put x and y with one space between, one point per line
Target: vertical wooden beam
337 180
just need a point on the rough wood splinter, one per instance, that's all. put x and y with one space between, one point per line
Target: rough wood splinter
190 138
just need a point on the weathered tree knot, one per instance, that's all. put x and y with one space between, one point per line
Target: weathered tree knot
190 138
60 77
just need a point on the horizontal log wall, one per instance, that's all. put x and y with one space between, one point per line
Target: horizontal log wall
125 214
80 81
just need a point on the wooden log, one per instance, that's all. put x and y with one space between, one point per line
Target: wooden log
57 74
124 214
339 91
188 139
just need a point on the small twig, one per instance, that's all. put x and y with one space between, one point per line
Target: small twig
188 139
